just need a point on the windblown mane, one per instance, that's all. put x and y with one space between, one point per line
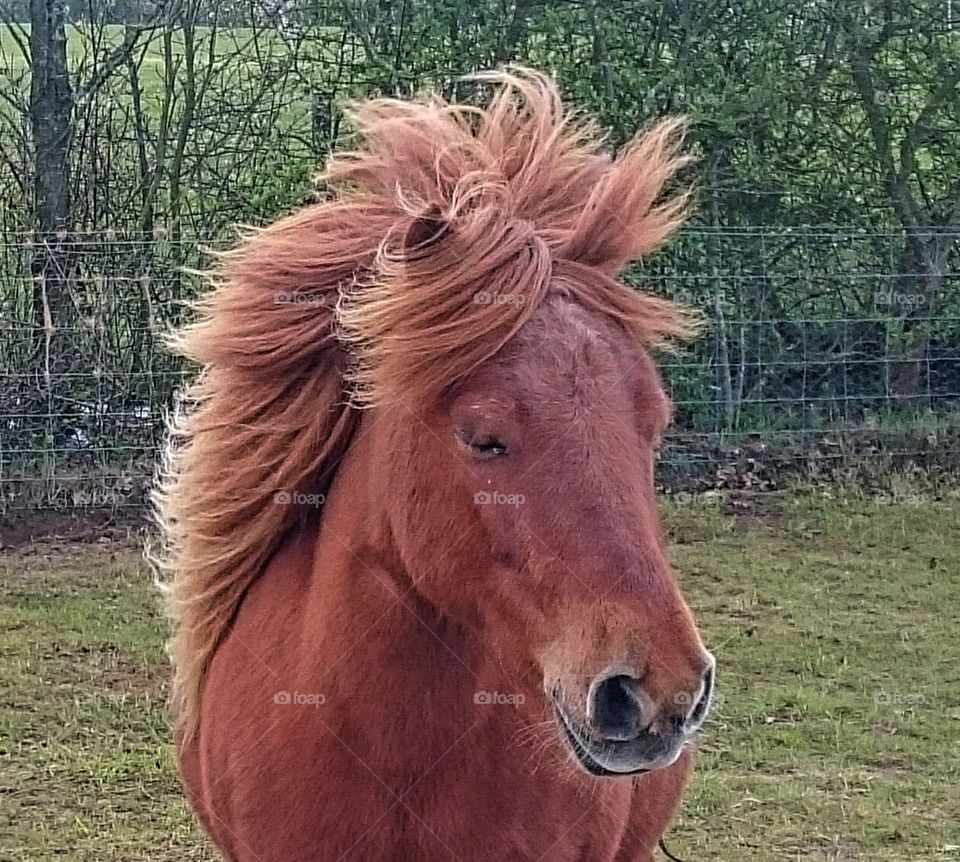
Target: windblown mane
438 238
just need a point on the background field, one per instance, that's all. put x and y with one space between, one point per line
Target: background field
823 250
835 735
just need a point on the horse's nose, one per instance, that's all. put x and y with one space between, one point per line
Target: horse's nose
615 707
619 709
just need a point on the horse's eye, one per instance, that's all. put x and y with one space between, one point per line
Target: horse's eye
489 446
484 445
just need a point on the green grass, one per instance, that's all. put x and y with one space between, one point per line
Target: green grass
81 44
86 768
836 735
837 731
240 42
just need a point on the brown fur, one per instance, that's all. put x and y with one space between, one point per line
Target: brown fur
462 269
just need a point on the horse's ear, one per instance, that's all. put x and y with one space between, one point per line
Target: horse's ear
424 232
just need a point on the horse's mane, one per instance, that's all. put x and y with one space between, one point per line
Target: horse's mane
437 240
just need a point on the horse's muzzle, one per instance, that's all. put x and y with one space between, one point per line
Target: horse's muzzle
625 732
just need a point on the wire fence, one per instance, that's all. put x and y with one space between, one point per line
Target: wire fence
828 353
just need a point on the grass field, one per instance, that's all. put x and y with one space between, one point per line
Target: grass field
82 41
836 736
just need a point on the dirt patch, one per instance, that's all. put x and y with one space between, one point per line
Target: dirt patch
20 529
110 673
751 507
60 568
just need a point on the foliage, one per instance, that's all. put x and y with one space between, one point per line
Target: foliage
826 241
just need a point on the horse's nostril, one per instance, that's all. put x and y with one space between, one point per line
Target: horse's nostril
699 711
615 708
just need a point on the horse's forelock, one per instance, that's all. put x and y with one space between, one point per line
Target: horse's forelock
510 190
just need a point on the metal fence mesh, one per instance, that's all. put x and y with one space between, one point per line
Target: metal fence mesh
825 350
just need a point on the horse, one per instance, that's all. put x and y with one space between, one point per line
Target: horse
422 603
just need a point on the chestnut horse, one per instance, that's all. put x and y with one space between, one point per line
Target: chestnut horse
423 608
